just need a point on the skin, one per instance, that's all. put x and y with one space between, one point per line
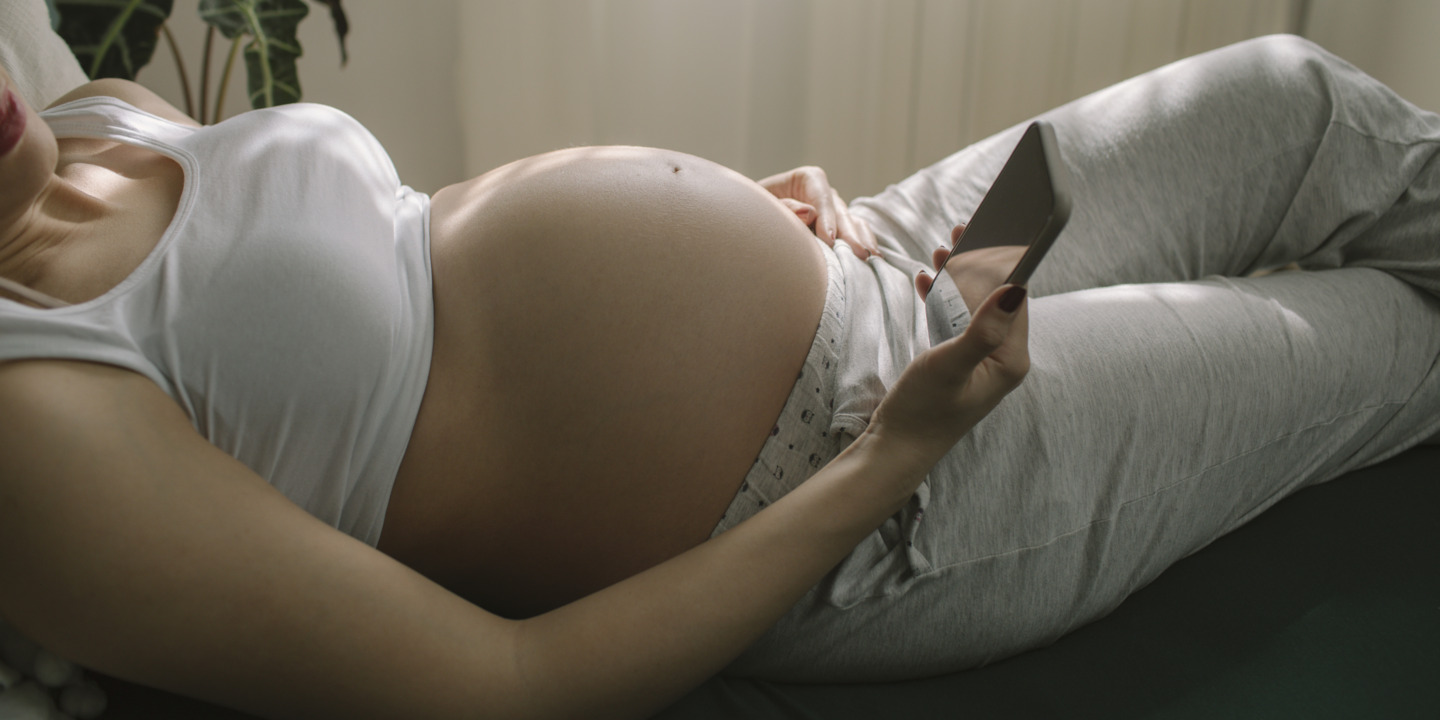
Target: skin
546 465
625 312
975 272
65 200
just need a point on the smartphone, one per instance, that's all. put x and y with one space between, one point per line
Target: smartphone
1028 204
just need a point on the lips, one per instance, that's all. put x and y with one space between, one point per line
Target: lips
12 122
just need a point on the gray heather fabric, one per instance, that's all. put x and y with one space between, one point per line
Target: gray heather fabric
1171 398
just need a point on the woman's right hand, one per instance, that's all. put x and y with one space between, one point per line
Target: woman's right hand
949 388
973 271
806 192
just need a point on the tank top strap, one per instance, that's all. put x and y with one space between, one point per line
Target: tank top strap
35 296
111 118
109 329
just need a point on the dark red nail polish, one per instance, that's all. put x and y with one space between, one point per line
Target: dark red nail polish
1010 301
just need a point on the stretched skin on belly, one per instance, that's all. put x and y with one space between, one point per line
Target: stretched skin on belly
616 331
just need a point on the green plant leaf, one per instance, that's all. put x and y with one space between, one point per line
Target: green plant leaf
55 14
272 49
112 38
342 26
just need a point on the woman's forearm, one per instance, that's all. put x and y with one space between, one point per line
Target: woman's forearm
634 647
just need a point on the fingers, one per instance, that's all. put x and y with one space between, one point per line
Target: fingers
805 211
809 185
851 230
831 221
923 283
937 258
942 253
806 192
950 387
997 337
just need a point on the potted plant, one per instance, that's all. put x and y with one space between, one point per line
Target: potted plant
118 37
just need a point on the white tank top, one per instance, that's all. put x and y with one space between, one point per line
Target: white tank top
287 308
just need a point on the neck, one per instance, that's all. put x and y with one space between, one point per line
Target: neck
32 237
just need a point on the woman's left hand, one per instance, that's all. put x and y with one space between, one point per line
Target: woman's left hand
807 192
948 389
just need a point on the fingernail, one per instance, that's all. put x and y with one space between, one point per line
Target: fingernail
1010 301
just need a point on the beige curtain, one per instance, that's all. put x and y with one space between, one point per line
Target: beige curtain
1393 40
869 89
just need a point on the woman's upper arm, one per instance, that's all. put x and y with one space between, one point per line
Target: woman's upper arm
131 92
131 545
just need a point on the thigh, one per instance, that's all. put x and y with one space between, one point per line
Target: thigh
1250 157
1154 419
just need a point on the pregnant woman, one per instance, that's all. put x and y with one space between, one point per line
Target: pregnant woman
568 438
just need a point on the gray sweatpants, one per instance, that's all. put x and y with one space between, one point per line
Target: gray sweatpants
1171 397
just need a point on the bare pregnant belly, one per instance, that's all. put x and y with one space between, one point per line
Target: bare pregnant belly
616 331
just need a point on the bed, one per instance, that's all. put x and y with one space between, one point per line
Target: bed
1328 606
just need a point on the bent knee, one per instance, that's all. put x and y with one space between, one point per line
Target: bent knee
1285 55
1292 70
1298 83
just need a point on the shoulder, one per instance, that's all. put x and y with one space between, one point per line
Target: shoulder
131 92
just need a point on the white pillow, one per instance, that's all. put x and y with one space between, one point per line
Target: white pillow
36 58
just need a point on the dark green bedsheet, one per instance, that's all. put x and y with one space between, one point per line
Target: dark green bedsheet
1327 606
